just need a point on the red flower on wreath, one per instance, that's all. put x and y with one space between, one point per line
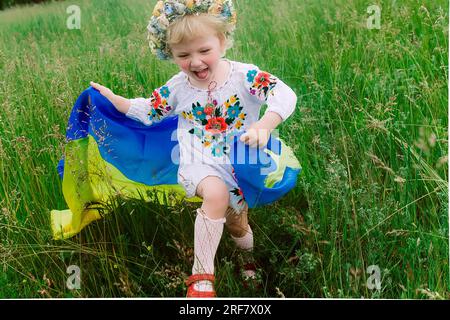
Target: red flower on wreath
216 125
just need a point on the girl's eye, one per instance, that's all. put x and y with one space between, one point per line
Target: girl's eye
205 51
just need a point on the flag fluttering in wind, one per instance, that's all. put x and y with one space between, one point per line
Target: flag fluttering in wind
108 154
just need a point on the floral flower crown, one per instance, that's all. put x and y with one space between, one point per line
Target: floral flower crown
167 11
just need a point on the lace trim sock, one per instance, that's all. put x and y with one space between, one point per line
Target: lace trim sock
245 243
207 235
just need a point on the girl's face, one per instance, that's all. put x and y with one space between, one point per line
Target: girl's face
199 58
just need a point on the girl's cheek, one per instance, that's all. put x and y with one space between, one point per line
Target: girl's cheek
183 64
212 59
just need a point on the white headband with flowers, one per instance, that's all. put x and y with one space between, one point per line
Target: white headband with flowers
167 11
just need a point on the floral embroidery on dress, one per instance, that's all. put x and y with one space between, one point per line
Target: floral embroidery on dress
216 126
237 192
262 84
159 107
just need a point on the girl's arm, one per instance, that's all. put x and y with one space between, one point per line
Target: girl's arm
122 104
145 110
280 99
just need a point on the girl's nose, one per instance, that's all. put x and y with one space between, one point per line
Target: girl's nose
196 62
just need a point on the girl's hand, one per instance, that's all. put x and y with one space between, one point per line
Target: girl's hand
120 103
259 133
103 90
256 136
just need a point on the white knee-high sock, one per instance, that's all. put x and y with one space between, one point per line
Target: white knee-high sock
207 235
245 243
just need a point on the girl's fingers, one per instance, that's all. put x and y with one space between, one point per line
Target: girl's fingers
244 137
249 139
96 85
253 144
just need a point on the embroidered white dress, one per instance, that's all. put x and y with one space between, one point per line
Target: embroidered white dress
208 121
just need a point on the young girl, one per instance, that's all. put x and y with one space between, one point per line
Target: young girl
216 99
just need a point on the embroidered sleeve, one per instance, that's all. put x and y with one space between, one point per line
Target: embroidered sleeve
260 84
154 109
269 89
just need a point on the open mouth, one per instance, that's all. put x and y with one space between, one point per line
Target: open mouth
203 74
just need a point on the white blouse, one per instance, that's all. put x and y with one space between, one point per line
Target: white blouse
206 127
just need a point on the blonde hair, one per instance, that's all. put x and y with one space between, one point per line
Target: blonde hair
192 26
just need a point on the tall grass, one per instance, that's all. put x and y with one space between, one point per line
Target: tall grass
370 131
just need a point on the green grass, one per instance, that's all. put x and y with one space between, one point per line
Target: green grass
370 132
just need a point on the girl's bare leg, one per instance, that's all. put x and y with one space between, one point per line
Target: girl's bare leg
214 193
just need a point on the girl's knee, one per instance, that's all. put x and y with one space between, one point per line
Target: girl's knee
214 190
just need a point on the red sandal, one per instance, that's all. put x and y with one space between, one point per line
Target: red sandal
249 282
192 293
249 267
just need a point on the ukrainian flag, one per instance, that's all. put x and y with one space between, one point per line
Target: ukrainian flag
109 155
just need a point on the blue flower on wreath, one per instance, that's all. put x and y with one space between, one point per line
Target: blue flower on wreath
165 92
199 112
226 12
233 111
168 10
251 75
154 26
160 54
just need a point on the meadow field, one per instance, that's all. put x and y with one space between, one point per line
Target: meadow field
370 131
